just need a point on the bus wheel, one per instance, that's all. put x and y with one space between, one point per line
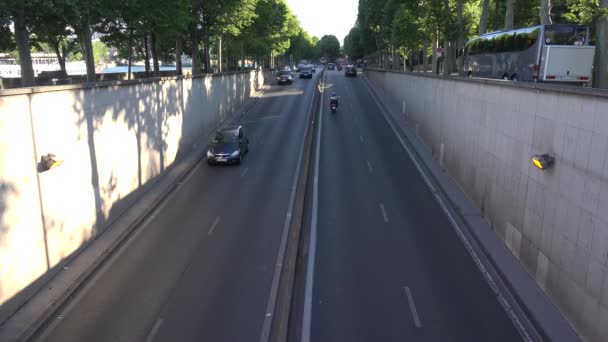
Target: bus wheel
505 77
470 73
514 78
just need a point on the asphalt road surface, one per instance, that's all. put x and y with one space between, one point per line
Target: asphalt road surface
202 269
388 264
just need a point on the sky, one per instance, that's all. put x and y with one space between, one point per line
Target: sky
321 17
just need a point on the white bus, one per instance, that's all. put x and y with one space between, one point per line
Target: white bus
545 53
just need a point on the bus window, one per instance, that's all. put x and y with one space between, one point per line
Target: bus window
565 35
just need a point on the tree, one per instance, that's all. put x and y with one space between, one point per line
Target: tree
329 46
483 20
595 14
49 25
509 14
18 10
352 44
545 12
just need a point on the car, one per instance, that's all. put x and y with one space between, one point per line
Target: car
285 77
306 71
331 66
350 71
228 147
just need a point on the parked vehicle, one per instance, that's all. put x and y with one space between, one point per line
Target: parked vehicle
545 53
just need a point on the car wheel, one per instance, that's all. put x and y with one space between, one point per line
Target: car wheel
514 78
238 161
210 163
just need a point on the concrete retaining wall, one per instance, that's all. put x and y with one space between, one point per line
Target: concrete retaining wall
114 139
555 222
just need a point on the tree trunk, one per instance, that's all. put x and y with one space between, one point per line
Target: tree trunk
196 61
425 49
147 56
208 67
447 58
60 58
496 15
460 38
87 46
545 12
219 54
154 51
130 54
179 47
434 46
243 55
23 46
483 20
600 70
509 14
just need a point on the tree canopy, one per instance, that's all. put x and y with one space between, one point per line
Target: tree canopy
417 27
232 31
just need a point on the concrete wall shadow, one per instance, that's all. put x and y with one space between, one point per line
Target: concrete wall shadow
117 140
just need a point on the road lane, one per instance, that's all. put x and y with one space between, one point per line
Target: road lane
202 269
388 265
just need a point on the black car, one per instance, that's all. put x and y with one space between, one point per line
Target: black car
306 72
229 146
285 77
331 66
350 71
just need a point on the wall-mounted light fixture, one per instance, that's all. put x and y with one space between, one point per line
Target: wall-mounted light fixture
48 162
543 161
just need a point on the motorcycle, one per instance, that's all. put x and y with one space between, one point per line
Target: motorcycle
333 106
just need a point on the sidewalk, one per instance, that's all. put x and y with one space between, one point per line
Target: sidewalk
523 300
76 269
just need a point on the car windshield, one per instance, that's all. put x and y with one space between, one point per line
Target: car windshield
225 137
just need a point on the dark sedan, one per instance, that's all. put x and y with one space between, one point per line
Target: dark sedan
228 147
285 77
306 72
350 71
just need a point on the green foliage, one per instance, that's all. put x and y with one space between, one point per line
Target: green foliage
329 46
101 51
303 47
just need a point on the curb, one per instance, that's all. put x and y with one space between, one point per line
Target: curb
26 328
281 320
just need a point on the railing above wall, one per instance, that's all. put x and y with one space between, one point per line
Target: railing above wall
556 88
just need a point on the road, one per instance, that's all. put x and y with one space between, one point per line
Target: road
388 265
201 270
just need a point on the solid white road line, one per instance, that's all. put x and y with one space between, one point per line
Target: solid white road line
154 330
410 300
213 226
361 138
312 245
244 172
383 210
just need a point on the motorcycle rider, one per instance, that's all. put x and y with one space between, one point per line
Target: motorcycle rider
333 100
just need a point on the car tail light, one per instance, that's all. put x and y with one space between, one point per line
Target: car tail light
551 77
584 78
